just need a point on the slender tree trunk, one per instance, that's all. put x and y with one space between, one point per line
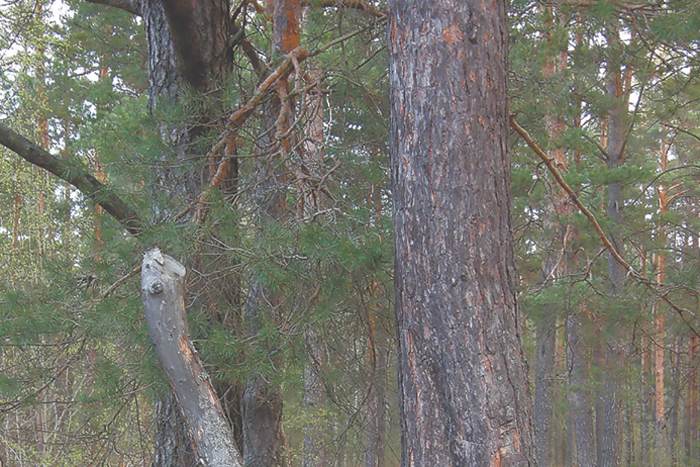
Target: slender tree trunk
554 265
580 404
309 204
544 362
463 392
614 353
376 399
314 454
646 410
675 401
691 413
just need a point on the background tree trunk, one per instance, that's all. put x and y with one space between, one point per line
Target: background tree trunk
614 353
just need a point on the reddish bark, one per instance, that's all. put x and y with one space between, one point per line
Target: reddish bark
464 397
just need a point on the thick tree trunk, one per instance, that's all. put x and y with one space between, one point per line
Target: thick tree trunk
261 405
464 397
163 295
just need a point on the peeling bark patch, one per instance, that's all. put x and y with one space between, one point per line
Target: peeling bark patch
185 349
452 34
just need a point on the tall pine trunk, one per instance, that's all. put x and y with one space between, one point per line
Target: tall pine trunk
463 392
611 451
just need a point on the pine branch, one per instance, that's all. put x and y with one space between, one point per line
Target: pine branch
651 285
77 176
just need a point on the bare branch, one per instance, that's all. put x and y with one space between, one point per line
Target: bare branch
361 5
132 6
77 176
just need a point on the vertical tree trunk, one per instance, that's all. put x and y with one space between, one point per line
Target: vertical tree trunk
314 454
691 412
675 401
614 354
464 397
544 362
580 403
376 398
554 265
172 445
261 405
310 203
646 411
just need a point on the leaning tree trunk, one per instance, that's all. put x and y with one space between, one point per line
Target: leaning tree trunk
163 295
463 391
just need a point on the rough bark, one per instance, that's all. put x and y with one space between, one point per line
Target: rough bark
464 397
263 440
162 292
554 263
314 452
692 413
172 444
544 363
261 405
675 401
200 33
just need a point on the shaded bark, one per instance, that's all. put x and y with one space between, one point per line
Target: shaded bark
554 263
163 296
172 444
262 403
692 413
200 33
464 398
675 401
314 452
544 362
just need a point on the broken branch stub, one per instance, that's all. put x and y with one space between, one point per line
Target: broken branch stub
163 296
